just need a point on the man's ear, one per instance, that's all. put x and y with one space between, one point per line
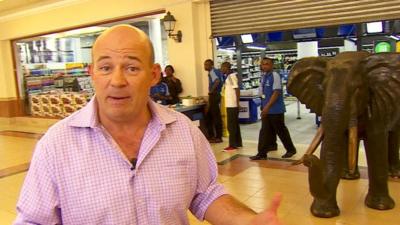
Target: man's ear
90 70
155 75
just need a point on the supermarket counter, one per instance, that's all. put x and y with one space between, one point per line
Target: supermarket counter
194 112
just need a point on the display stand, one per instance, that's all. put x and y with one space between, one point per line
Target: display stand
249 111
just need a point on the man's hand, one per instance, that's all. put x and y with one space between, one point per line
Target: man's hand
270 215
264 112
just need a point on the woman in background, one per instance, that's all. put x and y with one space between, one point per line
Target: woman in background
174 84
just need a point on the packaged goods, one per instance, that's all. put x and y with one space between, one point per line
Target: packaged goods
67 99
35 107
44 99
37 113
57 110
46 108
80 99
69 108
35 99
48 114
55 99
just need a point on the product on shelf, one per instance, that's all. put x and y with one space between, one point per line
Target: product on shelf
80 99
44 99
55 99
66 99
57 110
69 108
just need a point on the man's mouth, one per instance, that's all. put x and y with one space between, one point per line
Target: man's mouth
118 98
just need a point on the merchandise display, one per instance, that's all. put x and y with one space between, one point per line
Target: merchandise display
57 90
57 104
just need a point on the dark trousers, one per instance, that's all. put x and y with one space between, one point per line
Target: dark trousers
272 125
235 138
213 116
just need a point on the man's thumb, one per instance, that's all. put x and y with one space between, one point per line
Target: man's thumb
276 201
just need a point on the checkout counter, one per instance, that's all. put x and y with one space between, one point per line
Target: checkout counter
194 112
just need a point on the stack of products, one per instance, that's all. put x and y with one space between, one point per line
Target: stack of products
57 104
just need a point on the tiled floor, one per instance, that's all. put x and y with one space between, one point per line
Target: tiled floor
254 183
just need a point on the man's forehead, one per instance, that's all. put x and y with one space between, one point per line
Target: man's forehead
123 40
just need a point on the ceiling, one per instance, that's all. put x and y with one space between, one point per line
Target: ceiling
8 7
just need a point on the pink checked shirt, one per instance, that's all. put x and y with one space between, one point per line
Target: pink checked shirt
77 176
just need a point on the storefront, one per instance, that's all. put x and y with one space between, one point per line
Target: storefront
245 32
27 48
52 69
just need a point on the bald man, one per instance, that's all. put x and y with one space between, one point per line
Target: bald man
123 159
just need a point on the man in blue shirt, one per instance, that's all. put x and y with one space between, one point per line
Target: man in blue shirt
159 92
272 114
213 114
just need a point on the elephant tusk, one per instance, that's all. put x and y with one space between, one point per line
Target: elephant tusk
313 146
353 147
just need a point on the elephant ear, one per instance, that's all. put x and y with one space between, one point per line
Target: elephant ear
383 75
305 82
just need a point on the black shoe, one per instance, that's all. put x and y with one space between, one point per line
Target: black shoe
258 157
288 154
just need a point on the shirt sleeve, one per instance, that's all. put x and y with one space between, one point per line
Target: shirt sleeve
213 76
277 81
234 81
208 189
38 201
178 86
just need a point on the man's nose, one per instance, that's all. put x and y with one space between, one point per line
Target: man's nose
118 78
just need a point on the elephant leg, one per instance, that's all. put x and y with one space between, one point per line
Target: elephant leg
324 176
377 158
393 154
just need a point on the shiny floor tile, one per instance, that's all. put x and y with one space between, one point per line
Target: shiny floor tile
252 182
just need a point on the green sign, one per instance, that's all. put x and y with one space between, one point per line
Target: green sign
383 47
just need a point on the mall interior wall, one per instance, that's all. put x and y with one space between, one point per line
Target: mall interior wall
192 19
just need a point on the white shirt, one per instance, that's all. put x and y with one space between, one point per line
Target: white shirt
230 84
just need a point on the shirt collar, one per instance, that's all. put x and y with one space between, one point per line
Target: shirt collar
88 115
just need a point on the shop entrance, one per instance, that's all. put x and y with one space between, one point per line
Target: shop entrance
244 52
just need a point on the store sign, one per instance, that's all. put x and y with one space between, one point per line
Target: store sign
244 110
383 47
398 46
330 52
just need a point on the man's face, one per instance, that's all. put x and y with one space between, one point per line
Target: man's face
207 66
266 65
168 71
224 69
122 74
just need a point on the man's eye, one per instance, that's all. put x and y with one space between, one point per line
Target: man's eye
105 68
132 69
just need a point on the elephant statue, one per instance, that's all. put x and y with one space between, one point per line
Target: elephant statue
350 91
350 170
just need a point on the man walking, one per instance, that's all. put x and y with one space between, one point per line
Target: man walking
213 115
232 99
272 115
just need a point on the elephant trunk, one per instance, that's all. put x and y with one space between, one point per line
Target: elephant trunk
324 173
313 146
